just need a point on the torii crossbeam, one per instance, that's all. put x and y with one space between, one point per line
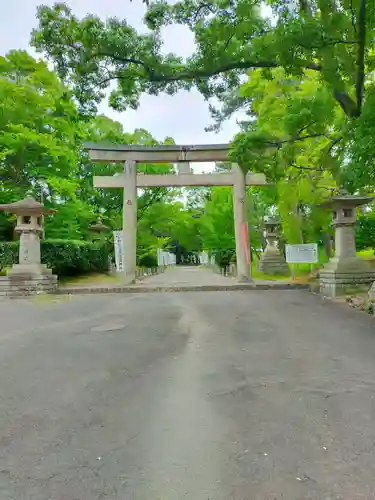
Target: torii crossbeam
130 155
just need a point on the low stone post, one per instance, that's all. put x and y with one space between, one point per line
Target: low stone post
272 261
29 275
345 273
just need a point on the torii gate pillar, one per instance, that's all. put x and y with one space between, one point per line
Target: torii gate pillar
129 222
240 222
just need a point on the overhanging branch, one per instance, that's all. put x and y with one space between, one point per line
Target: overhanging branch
224 68
349 106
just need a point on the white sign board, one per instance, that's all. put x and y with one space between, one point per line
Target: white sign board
119 250
302 254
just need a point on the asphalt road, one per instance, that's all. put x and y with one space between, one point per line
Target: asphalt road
199 396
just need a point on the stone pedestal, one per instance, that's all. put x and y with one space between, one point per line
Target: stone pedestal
29 276
345 273
272 260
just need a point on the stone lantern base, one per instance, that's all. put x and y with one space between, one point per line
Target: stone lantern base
345 277
23 280
273 263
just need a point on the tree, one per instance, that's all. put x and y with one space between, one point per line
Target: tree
39 133
41 153
110 201
38 126
332 38
303 171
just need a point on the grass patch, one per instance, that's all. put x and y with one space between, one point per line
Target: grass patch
90 279
367 254
269 277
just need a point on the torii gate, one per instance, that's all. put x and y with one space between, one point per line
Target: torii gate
130 155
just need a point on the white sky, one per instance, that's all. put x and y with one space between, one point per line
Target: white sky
183 116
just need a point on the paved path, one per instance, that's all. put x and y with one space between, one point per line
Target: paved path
180 276
256 395
183 279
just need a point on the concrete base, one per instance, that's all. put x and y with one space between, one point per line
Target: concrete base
371 297
231 270
20 285
243 279
273 263
29 270
141 273
125 278
346 277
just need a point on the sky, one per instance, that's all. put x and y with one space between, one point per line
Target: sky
183 116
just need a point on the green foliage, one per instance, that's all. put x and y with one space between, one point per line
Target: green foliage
309 103
38 129
148 260
365 234
224 257
65 258
41 135
332 39
217 224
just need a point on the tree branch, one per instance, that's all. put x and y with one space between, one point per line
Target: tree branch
230 38
348 105
207 73
156 196
295 139
201 7
311 169
361 54
353 16
328 43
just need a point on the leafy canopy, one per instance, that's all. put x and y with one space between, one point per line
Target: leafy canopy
332 38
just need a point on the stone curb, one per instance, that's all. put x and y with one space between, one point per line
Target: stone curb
163 289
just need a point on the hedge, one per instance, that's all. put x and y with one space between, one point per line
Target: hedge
64 257
147 260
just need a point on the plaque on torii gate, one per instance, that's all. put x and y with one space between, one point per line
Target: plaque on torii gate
130 155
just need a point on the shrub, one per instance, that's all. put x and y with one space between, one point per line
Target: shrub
365 233
224 257
148 260
64 257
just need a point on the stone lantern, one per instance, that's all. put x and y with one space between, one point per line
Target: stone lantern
272 260
346 272
98 228
29 275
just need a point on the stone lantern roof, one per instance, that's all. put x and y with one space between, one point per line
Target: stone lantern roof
98 226
27 206
343 198
272 221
